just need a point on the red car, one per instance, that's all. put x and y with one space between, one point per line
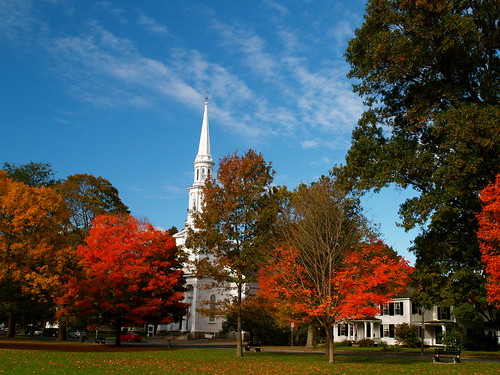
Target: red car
130 336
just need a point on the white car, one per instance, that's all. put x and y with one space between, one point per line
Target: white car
77 334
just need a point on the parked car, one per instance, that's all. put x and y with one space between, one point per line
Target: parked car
51 332
78 333
130 336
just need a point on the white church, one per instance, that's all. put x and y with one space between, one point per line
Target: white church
194 324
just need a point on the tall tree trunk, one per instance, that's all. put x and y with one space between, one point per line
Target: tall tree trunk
118 329
11 332
329 341
310 337
61 333
239 339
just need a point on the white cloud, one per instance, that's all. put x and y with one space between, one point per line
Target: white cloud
152 26
310 143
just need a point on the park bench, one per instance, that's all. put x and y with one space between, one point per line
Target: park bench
254 345
100 340
440 353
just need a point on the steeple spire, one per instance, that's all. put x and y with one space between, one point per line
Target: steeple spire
203 167
204 147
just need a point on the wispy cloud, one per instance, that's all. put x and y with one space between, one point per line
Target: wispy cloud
302 96
152 25
16 19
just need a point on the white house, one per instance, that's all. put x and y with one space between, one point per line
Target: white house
433 322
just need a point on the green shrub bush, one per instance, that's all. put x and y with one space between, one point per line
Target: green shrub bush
407 334
344 343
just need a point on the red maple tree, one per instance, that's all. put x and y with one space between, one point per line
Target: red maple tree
367 277
129 272
489 239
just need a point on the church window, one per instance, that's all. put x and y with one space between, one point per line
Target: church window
213 300
197 174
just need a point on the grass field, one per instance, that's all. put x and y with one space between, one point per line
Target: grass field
73 358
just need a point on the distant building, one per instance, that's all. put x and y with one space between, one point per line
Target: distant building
433 323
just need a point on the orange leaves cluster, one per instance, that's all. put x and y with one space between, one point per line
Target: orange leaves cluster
489 238
128 268
33 252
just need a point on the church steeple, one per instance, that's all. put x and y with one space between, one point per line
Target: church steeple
203 166
204 147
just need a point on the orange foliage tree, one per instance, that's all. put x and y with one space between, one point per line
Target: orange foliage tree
34 255
129 272
328 269
489 239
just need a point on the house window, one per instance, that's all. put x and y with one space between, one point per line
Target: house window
398 308
213 300
384 332
388 330
393 308
444 313
342 329
385 309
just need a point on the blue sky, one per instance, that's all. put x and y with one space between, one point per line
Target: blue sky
115 89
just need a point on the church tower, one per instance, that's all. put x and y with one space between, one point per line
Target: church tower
203 167
198 292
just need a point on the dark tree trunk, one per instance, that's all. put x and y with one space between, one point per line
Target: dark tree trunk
11 332
118 329
239 339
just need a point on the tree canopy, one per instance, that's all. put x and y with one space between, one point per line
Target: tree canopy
329 267
235 222
34 254
129 272
88 196
34 174
428 72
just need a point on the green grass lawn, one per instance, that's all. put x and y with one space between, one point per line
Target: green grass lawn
73 358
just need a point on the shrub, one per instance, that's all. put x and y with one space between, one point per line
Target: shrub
366 343
453 338
344 343
407 334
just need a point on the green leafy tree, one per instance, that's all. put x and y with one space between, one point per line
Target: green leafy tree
88 196
428 72
34 174
235 224
407 334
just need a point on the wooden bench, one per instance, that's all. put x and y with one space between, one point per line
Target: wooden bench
439 354
255 346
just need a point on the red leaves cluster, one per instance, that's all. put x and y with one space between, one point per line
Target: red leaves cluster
129 269
368 277
489 238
